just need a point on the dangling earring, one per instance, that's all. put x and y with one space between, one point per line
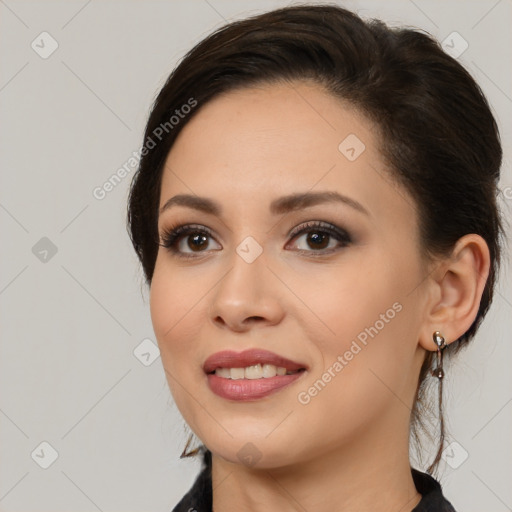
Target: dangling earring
439 373
190 453
441 345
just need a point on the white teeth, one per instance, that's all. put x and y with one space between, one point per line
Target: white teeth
223 372
269 370
252 372
256 371
237 373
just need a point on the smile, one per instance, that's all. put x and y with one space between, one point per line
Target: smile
250 375
257 371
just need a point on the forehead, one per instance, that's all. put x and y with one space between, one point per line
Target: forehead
246 146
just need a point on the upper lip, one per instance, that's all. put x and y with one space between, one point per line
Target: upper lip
232 359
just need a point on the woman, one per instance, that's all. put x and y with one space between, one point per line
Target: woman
315 215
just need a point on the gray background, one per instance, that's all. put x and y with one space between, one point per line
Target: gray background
72 320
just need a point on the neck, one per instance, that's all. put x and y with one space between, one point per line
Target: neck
360 476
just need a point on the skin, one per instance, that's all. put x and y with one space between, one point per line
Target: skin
347 449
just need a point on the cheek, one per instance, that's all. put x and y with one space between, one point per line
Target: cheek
365 327
176 311
343 300
174 305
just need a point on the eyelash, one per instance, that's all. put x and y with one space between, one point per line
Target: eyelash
172 235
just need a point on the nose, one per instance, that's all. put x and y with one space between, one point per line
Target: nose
247 296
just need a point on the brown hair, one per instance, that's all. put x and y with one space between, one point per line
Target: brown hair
438 133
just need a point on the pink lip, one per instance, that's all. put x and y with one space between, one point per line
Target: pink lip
231 359
249 389
244 390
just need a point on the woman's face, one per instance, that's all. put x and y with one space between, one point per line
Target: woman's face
343 297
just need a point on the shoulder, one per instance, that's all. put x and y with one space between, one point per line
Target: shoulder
199 497
433 499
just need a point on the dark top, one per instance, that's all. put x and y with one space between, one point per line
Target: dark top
199 497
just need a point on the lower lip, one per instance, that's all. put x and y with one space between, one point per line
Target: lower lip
243 390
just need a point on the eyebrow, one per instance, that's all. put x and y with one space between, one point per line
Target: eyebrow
278 206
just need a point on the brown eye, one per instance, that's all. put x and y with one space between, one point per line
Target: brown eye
197 242
186 240
318 239
319 236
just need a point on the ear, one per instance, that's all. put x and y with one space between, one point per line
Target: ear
456 287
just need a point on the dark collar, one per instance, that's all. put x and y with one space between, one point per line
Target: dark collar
433 499
199 497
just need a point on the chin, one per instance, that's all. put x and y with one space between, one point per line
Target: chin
253 451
